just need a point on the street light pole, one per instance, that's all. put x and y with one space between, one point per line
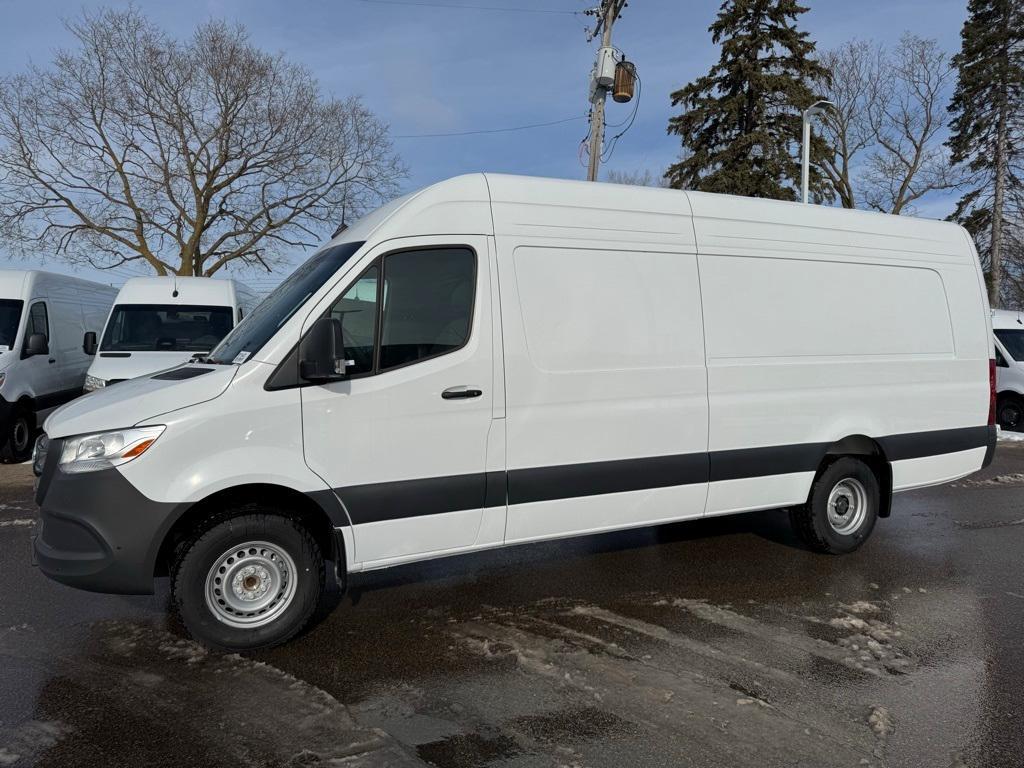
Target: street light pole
817 108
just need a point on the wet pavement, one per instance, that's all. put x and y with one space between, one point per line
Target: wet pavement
712 643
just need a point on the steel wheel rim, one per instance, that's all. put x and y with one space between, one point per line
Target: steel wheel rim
847 506
1010 415
251 584
20 437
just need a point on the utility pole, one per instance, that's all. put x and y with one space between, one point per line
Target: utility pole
607 15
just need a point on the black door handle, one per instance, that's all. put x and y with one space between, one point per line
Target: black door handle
460 393
52 361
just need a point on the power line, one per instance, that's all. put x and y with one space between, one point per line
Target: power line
491 130
504 9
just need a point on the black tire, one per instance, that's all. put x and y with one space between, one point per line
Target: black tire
199 558
1010 412
851 528
18 438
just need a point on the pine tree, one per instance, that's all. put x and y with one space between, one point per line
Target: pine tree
741 124
988 137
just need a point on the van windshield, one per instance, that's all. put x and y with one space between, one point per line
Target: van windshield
165 328
262 323
10 314
1013 340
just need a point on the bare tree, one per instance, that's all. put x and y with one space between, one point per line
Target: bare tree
886 129
642 178
854 71
188 156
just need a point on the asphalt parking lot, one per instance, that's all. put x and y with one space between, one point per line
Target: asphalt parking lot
713 643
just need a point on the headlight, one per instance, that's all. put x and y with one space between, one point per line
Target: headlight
89 453
93 383
39 454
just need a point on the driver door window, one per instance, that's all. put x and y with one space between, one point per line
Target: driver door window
423 308
38 321
357 312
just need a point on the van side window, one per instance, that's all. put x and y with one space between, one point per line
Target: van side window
357 312
38 321
427 304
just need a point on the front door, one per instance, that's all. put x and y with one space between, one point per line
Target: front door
43 371
404 439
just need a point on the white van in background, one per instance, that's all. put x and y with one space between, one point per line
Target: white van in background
496 360
161 322
1008 327
42 364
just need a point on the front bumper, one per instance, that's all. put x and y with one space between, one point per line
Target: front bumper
96 530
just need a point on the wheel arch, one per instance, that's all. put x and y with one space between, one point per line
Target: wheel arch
292 503
25 400
868 450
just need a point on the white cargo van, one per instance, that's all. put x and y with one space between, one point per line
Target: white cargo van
42 364
1008 328
496 360
160 322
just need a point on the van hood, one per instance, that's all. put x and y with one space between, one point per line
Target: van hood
130 365
139 400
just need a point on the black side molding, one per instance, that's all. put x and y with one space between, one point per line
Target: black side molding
990 448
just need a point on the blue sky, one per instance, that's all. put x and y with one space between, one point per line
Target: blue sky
438 70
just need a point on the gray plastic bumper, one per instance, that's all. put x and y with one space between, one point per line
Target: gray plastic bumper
97 531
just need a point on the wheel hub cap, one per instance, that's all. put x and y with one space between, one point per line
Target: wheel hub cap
847 506
250 585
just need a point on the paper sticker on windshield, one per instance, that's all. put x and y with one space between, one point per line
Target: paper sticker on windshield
240 358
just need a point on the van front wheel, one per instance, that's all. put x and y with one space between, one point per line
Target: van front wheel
16 444
842 509
247 582
1011 412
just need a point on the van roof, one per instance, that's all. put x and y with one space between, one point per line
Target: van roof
191 290
469 205
14 283
1007 318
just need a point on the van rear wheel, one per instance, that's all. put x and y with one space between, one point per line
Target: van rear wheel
842 509
16 445
249 581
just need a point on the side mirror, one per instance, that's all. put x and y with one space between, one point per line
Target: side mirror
89 343
322 352
37 345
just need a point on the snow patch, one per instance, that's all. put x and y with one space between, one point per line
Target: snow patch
1015 478
23 522
860 606
24 741
881 722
